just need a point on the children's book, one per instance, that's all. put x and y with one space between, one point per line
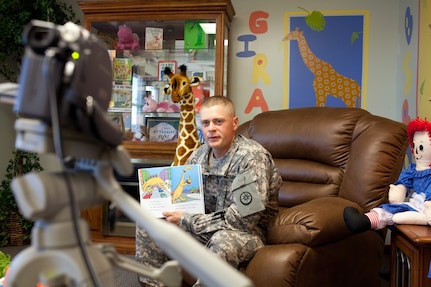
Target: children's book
171 188
153 38
122 69
194 36
121 99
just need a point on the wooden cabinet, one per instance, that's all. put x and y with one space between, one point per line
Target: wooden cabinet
142 38
410 256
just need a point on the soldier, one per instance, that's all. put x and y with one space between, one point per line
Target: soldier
241 184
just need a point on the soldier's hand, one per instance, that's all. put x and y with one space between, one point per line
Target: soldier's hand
173 216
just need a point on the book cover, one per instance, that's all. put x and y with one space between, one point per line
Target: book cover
153 38
194 36
166 64
122 70
121 99
117 119
171 188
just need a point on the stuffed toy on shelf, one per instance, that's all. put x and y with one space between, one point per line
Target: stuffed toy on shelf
410 195
150 105
127 40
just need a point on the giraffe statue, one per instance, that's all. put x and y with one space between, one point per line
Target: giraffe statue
180 89
327 81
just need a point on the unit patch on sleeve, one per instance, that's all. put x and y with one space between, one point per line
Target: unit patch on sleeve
246 195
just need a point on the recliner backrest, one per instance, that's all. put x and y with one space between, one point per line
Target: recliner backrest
327 151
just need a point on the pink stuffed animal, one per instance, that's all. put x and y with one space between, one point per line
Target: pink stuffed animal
150 105
166 107
127 40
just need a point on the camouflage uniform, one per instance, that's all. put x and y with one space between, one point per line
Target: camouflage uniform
234 225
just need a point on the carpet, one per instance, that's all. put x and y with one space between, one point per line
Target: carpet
123 278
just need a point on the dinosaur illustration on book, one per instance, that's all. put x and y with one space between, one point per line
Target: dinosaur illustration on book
177 194
327 81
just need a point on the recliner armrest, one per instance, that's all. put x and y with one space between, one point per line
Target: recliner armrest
312 223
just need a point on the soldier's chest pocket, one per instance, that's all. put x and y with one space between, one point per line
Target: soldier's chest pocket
218 192
246 194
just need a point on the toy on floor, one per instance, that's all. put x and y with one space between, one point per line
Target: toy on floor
180 89
413 183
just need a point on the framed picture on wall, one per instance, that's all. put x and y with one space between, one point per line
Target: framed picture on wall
164 64
326 66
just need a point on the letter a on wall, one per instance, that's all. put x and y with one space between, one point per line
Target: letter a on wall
257 100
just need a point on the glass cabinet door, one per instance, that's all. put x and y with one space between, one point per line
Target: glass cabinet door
139 104
145 37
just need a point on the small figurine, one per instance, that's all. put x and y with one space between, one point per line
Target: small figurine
413 183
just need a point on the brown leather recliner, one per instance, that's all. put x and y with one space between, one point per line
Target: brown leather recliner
329 158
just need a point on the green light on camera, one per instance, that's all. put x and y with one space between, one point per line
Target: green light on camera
75 55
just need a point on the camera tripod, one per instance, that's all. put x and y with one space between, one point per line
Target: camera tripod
55 258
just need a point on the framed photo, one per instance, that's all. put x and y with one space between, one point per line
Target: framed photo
162 129
163 65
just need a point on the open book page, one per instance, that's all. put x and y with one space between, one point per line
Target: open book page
171 188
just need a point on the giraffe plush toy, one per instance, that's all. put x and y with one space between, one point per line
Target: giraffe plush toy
180 89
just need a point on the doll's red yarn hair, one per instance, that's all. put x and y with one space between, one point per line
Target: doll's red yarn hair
418 125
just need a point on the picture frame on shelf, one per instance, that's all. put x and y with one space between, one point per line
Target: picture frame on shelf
162 129
161 68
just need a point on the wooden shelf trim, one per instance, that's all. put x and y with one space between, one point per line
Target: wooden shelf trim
151 150
91 6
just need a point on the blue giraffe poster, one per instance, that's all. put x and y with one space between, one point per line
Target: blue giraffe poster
171 188
326 58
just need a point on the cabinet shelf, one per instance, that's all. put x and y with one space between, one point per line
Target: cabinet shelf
151 150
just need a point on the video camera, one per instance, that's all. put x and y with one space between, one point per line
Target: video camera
68 67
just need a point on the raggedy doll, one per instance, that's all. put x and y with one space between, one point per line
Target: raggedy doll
414 183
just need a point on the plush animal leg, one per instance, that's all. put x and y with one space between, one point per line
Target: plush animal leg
410 217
